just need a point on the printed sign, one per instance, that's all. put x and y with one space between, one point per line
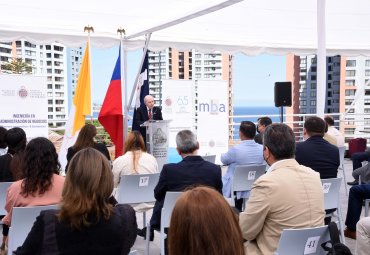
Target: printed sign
311 245
326 187
144 181
251 175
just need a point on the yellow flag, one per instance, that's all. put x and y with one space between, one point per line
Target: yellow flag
82 97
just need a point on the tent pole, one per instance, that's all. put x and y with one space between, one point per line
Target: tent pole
121 31
321 59
147 40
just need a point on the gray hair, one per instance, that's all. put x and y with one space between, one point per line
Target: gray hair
186 141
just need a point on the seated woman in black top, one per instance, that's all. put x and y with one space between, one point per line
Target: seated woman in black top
84 140
86 223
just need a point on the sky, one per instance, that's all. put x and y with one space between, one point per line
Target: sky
253 76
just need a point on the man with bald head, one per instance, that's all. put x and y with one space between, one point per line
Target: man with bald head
145 113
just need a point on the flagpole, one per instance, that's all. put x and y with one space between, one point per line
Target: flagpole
121 32
147 39
89 28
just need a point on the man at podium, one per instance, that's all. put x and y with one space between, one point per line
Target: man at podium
145 113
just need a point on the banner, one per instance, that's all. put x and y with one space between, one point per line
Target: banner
23 100
213 118
178 106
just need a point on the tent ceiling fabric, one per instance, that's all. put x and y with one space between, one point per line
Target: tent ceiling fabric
250 26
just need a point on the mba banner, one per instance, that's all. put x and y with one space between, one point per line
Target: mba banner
23 103
213 118
178 106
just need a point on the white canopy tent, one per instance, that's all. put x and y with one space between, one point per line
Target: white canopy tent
250 26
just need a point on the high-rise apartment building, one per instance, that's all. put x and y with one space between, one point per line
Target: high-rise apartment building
188 65
345 76
58 63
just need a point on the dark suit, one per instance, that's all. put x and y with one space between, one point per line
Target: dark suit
141 115
192 170
319 155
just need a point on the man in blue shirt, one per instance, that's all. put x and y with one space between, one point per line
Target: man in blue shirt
248 152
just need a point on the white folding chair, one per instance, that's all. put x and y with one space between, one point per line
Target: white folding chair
331 189
367 202
342 151
244 177
22 222
168 205
303 241
3 190
137 188
210 158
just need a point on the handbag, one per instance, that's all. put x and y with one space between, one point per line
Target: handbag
334 246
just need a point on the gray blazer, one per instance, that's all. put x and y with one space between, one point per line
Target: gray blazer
363 173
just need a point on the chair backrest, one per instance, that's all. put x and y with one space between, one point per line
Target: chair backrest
168 205
137 188
210 158
331 188
342 150
302 241
22 222
3 190
245 176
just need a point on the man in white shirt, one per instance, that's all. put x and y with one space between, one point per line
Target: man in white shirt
333 131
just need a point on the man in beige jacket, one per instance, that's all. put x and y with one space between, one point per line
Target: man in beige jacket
288 196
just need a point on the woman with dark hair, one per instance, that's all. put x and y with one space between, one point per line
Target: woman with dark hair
3 149
85 139
42 184
135 160
202 222
86 223
10 163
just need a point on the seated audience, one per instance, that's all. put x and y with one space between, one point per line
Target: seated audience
315 152
84 140
10 169
248 152
363 236
357 159
328 137
289 195
363 174
192 170
3 149
357 195
262 123
202 222
135 160
333 131
86 222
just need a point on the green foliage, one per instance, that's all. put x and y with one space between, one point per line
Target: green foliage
102 135
17 66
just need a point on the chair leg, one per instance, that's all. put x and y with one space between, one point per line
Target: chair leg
147 239
344 179
339 213
162 234
144 219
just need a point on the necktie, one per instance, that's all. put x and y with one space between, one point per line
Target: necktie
150 114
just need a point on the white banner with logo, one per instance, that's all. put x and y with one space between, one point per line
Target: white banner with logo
213 117
23 103
178 106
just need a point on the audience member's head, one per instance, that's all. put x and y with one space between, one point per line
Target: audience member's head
247 130
40 162
2 137
85 138
186 142
329 120
87 188
278 143
149 101
314 126
202 222
134 142
262 123
16 140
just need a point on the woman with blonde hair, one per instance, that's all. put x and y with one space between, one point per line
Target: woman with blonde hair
86 223
135 160
85 139
202 222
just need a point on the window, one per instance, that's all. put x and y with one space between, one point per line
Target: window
351 73
198 62
313 93
302 94
303 77
312 110
350 92
313 85
313 103
367 62
350 82
367 72
348 101
351 63
313 60
329 93
303 61
313 77
303 103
